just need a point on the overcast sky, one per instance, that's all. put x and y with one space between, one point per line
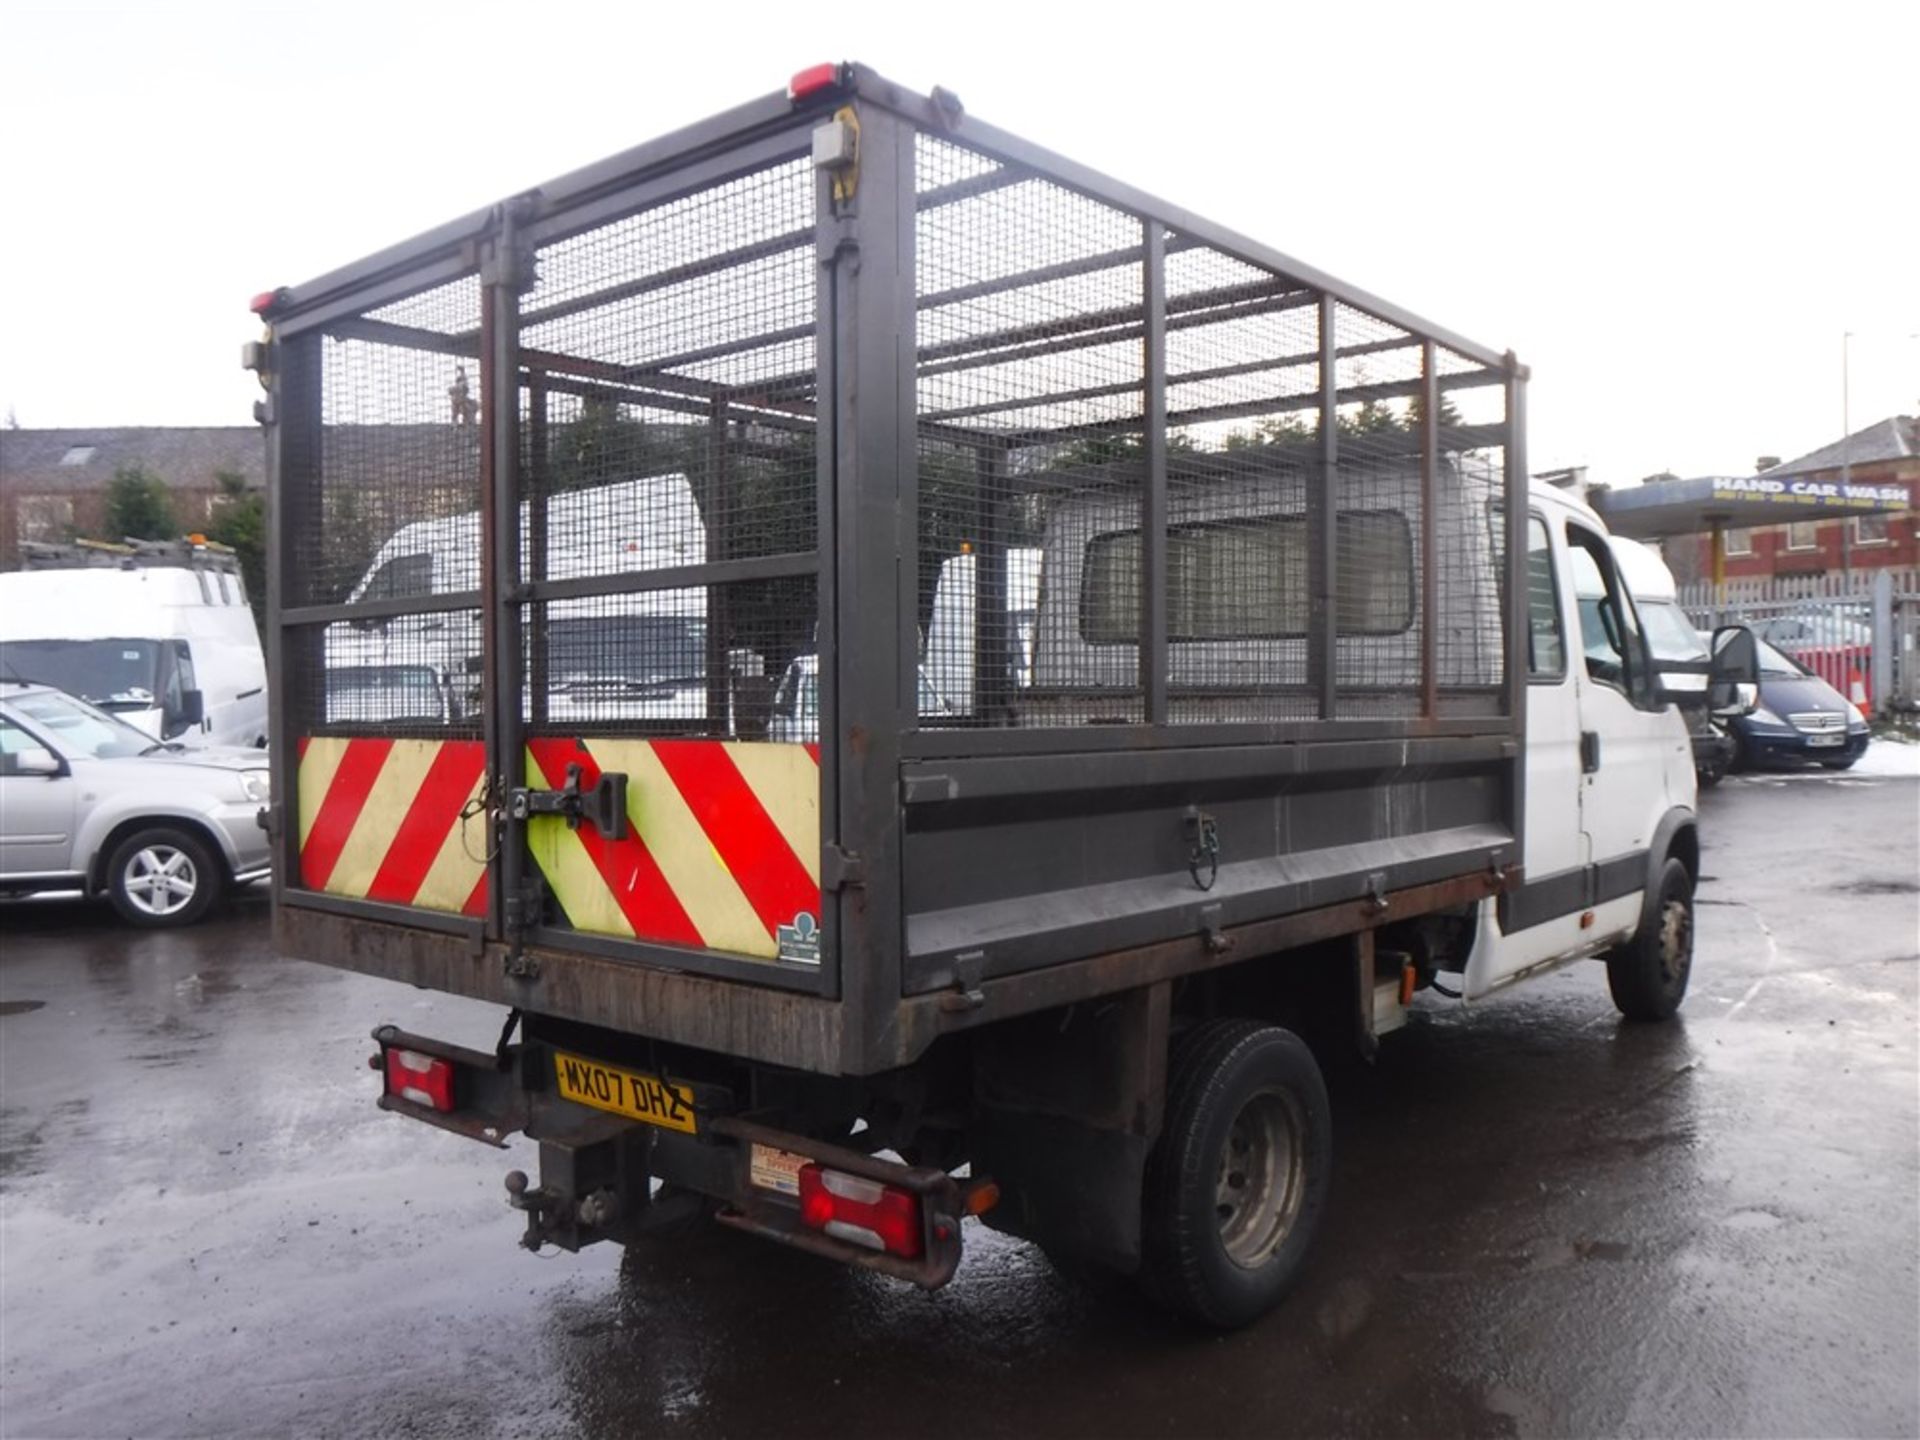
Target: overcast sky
1672 212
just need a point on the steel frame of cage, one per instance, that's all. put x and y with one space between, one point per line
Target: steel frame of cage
866 429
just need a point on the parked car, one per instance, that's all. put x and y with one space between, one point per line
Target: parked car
88 802
1800 718
1834 642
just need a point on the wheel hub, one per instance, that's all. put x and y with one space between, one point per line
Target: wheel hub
161 880
1261 1180
1676 939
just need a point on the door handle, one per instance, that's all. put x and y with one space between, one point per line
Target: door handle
1589 751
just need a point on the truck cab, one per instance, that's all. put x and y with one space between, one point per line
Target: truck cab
1609 787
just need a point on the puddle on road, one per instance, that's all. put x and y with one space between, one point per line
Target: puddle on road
21 1007
1880 887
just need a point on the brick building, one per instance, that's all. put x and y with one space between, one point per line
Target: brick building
53 483
1884 454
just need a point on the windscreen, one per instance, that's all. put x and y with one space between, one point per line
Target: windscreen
114 674
627 649
1669 632
82 730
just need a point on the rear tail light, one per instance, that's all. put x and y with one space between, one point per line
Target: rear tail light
861 1211
422 1079
812 81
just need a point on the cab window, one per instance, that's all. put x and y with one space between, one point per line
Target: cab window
1546 640
1614 648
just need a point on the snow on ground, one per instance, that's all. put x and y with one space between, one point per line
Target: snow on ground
1890 757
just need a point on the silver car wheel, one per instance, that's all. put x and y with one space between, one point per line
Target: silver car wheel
160 880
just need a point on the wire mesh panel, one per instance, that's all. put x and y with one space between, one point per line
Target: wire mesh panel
667 426
389 518
1031 397
1242 386
1470 536
1033 577
1380 552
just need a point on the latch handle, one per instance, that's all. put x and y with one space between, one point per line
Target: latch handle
602 805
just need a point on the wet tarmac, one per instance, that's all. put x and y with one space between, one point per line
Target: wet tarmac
1544 1222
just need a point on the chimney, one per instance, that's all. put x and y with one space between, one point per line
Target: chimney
1765 463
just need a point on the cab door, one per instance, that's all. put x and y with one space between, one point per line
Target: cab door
1629 735
1541 919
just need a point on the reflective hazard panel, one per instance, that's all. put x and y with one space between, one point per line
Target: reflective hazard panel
722 853
394 820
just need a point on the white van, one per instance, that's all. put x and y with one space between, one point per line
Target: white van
157 633
949 662
638 656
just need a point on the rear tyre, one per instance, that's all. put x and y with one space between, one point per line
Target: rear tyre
161 877
1648 974
1237 1183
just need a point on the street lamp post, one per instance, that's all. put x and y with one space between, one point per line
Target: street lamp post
1846 458
1846 444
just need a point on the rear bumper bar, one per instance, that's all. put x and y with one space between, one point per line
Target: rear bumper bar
597 1171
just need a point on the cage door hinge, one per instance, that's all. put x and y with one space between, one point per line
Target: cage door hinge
840 869
602 805
517 916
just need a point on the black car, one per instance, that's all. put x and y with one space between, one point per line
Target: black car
1800 720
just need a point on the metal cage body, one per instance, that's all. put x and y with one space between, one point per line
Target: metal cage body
779 586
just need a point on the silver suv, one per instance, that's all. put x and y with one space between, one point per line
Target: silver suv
87 802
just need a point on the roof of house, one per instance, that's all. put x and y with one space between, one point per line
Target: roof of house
1895 438
40 462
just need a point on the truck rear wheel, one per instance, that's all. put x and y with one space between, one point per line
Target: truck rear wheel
1237 1182
1648 975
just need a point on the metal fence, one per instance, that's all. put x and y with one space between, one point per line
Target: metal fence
1855 631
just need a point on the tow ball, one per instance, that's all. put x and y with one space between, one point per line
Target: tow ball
552 1216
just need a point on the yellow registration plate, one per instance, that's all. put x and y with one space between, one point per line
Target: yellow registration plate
625 1092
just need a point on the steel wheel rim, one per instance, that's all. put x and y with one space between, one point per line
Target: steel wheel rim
1676 939
160 880
1261 1179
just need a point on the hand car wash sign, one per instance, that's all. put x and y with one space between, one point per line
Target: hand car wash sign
1810 492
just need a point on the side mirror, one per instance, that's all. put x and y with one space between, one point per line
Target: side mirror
36 760
193 707
1733 676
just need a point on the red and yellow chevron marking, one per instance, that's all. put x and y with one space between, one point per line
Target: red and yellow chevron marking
380 820
723 848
